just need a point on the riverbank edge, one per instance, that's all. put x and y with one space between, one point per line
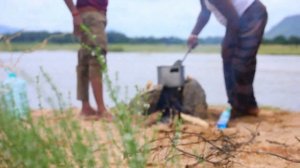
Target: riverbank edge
265 49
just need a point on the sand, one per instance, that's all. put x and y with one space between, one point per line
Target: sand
270 140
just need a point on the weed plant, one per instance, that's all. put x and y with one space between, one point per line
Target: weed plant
58 139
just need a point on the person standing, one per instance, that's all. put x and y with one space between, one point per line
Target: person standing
245 22
92 14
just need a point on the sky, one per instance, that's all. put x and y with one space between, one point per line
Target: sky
135 18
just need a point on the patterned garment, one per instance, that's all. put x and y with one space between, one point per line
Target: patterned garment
88 65
240 64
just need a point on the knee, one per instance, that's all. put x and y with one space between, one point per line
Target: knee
95 67
81 70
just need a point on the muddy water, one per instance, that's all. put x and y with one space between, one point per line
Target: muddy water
277 81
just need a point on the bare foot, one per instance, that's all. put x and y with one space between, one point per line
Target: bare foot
88 111
238 114
107 116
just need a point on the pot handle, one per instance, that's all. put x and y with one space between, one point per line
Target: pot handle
178 63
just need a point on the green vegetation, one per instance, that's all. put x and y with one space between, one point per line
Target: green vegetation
37 143
280 49
58 139
119 42
272 49
28 47
292 40
154 48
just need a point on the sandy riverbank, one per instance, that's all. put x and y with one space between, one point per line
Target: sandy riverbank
270 140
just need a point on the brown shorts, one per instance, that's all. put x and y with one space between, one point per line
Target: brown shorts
88 66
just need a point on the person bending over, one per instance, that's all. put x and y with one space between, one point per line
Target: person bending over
245 22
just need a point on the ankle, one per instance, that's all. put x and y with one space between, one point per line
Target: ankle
102 109
86 104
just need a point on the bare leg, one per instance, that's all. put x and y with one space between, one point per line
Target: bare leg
87 109
97 87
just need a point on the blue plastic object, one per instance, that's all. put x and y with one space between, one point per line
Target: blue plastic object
224 119
15 95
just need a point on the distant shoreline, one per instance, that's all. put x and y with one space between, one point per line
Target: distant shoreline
270 49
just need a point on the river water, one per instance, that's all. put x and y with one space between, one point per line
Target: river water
277 81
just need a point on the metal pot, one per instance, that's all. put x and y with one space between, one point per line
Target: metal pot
171 76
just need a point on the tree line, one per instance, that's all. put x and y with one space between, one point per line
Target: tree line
117 37
283 40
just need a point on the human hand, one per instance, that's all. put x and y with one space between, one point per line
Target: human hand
192 41
77 21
